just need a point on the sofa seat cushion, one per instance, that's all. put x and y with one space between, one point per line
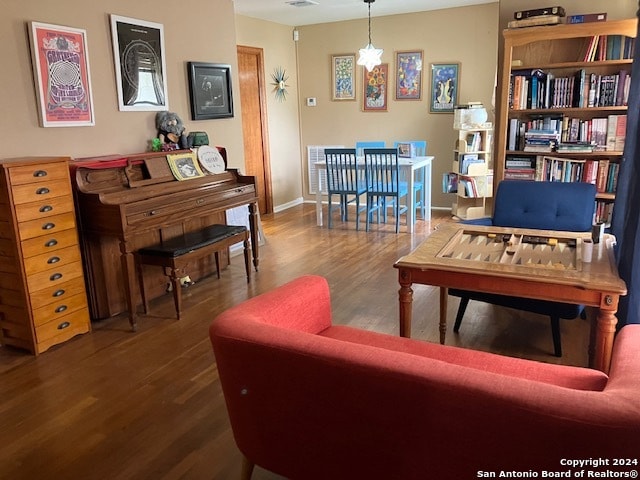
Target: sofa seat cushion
576 378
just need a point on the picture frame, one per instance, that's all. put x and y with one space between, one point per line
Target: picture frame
141 86
210 92
184 166
61 74
444 87
375 88
409 75
343 77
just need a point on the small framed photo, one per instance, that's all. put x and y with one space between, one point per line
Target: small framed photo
406 150
375 88
184 166
444 87
409 75
210 90
138 50
343 77
61 73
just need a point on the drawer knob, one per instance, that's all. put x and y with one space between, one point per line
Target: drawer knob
63 325
48 226
42 191
51 243
55 276
53 260
58 293
61 309
45 208
40 173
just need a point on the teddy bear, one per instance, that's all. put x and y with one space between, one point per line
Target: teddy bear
171 131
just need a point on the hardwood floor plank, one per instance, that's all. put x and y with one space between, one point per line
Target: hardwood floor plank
114 404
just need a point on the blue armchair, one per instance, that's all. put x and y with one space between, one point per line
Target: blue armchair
539 205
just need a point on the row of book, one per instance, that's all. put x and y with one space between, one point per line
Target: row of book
537 89
608 47
475 187
563 133
603 173
603 212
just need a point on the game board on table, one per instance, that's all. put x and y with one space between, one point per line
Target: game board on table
514 249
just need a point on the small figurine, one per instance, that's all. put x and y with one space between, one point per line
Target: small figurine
171 131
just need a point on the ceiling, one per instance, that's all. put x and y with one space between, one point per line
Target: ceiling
325 11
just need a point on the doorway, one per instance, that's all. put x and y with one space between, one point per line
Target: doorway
254 123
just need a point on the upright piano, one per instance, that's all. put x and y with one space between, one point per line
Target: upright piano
128 202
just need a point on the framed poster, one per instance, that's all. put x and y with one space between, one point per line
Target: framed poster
444 87
375 88
343 77
210 90
138 51
409 75
61 73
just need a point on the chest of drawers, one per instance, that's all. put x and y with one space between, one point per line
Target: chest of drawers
43 299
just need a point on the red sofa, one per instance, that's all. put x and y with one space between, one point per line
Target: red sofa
311 400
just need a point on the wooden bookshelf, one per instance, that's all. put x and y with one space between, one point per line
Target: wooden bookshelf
579 94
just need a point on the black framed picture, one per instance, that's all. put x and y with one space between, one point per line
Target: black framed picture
210 90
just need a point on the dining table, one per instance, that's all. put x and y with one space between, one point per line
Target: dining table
408 167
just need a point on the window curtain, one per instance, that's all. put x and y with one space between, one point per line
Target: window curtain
625 224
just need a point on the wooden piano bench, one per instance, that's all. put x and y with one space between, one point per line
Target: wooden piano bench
176 253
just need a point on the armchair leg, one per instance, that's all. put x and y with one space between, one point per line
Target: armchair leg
555 333
247 468
464 301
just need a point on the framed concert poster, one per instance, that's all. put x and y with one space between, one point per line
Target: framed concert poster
444 87
138 51
210 90
409 75
375 88
61 73
343 77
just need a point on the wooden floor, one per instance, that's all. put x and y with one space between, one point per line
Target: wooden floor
114 404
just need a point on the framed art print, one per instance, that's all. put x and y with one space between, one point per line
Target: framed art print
409 75
343 77
61 74
138 51
444 87
375 88
210 90
184 166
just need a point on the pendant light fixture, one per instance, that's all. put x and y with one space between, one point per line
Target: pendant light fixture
370 56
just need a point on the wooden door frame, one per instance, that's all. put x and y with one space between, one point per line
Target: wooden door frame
262 98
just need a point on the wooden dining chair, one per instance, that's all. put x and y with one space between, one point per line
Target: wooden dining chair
420 150
382 183
344 178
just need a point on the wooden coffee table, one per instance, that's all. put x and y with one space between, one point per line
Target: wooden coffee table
541 264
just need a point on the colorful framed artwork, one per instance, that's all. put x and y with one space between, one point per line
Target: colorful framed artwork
210 90
343 77
444 87
184 166
375 88
138 51
61 73
409 75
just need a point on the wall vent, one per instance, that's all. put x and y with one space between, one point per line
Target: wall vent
315 154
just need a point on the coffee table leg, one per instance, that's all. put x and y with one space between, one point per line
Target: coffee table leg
405 295
444 295
603 330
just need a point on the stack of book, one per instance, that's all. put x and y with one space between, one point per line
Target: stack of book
540 140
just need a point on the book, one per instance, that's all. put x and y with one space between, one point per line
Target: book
537 12
603 173
620 133
535 21
587 17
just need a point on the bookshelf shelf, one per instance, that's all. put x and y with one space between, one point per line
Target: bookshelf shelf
571 96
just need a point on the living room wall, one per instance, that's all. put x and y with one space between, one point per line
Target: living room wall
204 32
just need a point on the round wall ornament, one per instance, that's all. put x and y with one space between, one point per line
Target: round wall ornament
210 159
279 83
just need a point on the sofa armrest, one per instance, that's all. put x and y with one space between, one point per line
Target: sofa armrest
625 366
303 304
